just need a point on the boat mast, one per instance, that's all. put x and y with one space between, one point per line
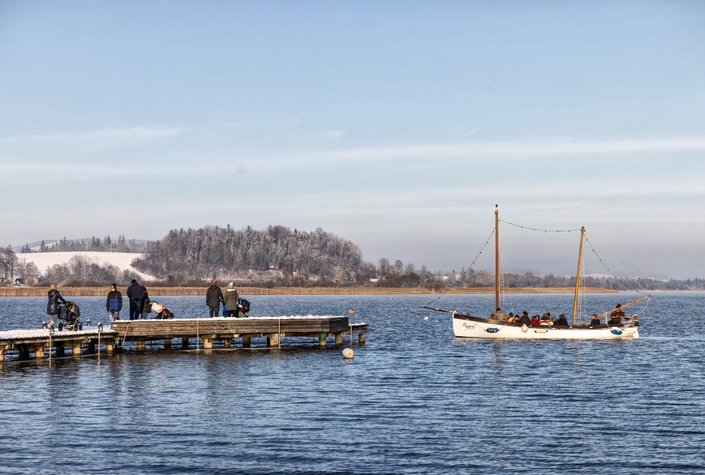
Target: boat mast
496 258
577 275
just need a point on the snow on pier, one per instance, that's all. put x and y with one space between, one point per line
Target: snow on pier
205 333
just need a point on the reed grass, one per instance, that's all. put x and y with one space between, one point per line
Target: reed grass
246 291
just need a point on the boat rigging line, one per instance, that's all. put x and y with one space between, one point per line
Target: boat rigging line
607 268
631 278
541 230
579 299
640 290
594 251
482 249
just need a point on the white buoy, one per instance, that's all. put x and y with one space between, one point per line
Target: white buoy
426 317
348 354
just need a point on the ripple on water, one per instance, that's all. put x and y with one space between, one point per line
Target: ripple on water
414 400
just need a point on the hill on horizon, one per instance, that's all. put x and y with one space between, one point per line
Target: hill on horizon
277 255
121 260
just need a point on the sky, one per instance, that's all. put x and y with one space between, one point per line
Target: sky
395 124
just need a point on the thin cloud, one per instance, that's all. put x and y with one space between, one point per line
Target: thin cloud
99 138
76 149
449 200
42 173
510 150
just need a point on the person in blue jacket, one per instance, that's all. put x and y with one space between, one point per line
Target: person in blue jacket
113 304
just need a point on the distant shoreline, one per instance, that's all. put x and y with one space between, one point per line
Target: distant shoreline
246 291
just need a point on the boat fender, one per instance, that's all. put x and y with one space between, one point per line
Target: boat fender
492 330
616 331
524 328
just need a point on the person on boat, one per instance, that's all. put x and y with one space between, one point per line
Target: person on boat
511 318
616 315
535 321
525 319
55 301
546 320
561 321
595 321
500 315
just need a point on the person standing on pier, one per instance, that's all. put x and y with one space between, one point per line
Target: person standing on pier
146 304
231 300
214 297
55 301
113 304
136 296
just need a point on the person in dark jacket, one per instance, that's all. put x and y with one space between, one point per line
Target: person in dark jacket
55 301
595 321
616 315
136 296
524 319
146 304
214 297
113 303
561 321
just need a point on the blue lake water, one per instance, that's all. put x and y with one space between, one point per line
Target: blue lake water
413 400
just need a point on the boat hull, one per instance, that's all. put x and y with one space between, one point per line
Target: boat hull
465 326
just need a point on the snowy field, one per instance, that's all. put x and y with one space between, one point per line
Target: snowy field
121 260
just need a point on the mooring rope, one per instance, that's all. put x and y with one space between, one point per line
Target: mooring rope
100 329
124 337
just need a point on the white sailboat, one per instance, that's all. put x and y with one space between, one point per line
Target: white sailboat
616 326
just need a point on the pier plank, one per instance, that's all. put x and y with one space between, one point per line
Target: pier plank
207 330
292 326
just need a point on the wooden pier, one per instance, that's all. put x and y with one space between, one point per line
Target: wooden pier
43 341
198 332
